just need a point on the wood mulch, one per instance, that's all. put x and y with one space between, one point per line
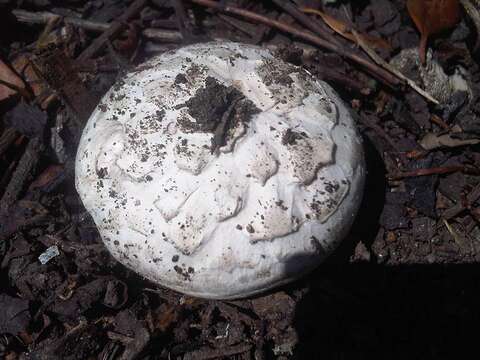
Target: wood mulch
404 284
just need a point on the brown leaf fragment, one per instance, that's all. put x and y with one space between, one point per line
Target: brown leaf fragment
474 13
23 67
166 317
49 178
433 141
345 30
432 17
9 82
57 70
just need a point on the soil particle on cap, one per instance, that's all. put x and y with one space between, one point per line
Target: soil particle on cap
217 108
331 187
317 245
290 137
182 272
273 73
160 114
195 71
181 79
281 205
149 124
209 104
183 148
102 173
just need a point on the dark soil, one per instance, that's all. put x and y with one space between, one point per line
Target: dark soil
290 137
404 284
218 109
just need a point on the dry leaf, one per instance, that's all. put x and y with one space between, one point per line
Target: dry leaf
474 13
431 17
166 317
39 89
8 76
433 141
344 30
22 66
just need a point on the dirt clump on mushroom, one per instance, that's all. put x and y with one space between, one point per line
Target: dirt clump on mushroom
218 109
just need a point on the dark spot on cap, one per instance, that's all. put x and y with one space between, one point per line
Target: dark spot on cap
290 137
102 172
181 79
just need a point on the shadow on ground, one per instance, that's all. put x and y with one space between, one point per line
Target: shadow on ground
369 311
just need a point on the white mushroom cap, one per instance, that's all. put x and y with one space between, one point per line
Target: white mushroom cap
220 171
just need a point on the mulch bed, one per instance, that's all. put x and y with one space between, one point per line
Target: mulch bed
404 284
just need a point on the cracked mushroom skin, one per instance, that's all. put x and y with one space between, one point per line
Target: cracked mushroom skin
220 171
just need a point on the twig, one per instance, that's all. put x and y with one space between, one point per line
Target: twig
164 24
8 136
471 198
439 122
373 55
305 20
474 14
460 240
24 92
344 30
115 28
233 311
427 172
20 176
207 353
124 339
330 75
360 40
377 71
237 24
45 16
476 214
43 40
181 17
172 36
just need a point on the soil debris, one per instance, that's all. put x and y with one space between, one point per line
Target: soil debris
218 109
404 281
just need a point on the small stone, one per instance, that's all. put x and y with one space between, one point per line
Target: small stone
49 254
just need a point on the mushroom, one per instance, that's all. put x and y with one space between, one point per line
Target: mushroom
220 171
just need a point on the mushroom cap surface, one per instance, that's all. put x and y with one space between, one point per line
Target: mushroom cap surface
220 171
